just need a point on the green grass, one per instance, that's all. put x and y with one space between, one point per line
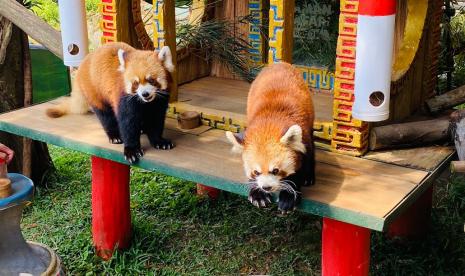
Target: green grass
177 233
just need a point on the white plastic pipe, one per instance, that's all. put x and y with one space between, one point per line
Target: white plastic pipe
373 62
73 31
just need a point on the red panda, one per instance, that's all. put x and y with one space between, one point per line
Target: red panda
277 147
128 91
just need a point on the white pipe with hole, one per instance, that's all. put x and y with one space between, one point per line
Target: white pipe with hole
373 63
73 31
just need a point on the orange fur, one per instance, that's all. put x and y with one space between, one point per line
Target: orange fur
100 80
278 99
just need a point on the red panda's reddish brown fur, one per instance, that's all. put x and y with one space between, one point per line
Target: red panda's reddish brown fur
278 99
98 80
128 91
280 94
277 148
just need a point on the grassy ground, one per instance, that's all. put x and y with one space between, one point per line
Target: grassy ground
174 232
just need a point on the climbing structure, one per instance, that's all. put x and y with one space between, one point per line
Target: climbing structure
219 94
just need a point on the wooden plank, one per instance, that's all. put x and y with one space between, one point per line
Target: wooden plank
353 190
34 26
415 193
229 95
190 67
424 158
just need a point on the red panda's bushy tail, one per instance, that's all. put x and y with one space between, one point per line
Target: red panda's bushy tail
75 104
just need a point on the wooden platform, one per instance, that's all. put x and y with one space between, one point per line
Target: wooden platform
218 94
354 190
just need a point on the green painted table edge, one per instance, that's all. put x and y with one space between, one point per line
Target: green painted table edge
307 206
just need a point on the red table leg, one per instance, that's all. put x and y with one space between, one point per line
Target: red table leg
415 221
211 192
111 215
345 250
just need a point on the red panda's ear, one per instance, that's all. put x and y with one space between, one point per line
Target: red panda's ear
122 60
293 139
236 141
165 56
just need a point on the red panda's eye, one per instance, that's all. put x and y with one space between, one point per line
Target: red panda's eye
256 173
275 171
153 82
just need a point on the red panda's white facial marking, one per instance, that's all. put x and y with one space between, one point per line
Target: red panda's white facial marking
145 72
132 85
269 163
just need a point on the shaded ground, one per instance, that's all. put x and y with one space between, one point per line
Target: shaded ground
177 233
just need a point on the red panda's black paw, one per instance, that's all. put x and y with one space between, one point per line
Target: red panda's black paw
116 141
163 145
287 201
132 155
259 198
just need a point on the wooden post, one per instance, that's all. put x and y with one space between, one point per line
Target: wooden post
345 249
33 25
164 34
281 31
211 192
111 215
415 221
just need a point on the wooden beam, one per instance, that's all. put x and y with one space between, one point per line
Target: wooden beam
457 167
31 24
447 100
409 134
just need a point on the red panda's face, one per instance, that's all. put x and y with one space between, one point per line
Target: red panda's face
268 161
145 72
268 165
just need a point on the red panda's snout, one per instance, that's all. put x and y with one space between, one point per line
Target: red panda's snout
269 168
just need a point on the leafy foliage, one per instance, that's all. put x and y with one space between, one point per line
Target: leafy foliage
455 28
48 10
218 39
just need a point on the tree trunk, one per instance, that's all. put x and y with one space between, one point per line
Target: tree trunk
12 96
